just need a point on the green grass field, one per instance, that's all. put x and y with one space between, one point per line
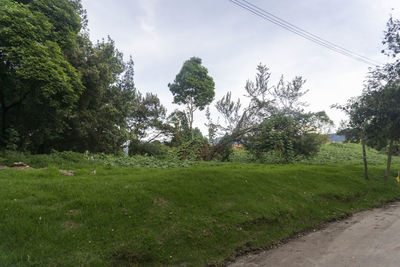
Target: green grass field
339 153
332 153
191 216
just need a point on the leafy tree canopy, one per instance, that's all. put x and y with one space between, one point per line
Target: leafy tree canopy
193 87
58 90
34 73
376 114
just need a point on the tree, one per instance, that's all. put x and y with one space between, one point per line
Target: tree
193 87
178 128
63 94
287 96
288 136
58 90
385 109
148 115
238 122
374 117
99 122
64 16
212 127
274 112
384 89
38 86
359 127
390 73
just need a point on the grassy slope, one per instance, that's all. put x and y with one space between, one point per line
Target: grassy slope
333 153
348 154
184 216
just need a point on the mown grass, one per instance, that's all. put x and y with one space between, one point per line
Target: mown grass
192 216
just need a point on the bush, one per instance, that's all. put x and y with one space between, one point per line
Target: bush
7 158
196 149
241 155
309 144
154 149
283 138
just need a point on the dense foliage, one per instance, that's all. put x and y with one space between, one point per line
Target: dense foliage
285 136
274 120
60 91
39 87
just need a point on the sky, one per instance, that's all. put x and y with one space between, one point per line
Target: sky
161 34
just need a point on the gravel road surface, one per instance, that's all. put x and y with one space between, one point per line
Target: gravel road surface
369 238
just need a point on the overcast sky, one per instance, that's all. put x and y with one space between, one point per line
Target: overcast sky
162 34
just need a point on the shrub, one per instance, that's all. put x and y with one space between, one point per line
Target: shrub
154 149
196 149
285 138
241 155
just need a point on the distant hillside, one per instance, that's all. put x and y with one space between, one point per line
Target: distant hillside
335 138
347 153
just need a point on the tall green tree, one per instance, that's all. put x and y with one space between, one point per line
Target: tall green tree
193 87
374 117
64 16
38 86
391 92
385 108
99 121
147 120
384 88
58 90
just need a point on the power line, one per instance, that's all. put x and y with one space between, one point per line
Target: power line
310 34
303 33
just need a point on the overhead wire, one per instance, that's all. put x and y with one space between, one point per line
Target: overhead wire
309 33
303 33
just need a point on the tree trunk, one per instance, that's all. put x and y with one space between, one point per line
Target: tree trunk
364 157
3 126
191 111
389 159
3 121
4 118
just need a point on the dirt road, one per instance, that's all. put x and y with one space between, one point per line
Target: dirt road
370 238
